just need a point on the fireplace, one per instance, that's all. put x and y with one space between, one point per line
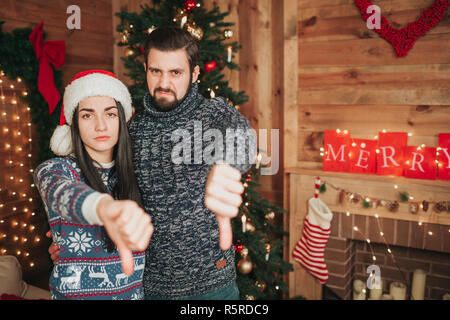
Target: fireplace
417 239
347 255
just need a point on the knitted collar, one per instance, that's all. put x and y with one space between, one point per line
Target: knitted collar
192 100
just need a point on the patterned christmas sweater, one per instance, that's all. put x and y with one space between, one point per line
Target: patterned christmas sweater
84 270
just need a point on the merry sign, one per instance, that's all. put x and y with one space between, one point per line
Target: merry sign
389 155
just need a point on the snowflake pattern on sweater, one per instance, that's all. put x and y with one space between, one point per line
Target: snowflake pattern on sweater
84 270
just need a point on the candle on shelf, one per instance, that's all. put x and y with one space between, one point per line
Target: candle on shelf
386 297
359 290
376 291
418 285
398 291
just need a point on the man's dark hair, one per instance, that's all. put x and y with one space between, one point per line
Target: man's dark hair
171 39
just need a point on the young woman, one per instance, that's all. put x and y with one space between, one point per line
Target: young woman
85 190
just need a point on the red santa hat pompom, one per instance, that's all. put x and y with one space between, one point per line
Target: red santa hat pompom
86 84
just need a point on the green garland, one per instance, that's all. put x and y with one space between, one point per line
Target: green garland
19 60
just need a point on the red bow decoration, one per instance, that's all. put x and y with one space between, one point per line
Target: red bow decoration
48 52
403 39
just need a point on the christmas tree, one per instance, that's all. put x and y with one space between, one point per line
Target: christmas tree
257 237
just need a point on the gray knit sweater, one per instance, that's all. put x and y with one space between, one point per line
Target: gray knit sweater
184 257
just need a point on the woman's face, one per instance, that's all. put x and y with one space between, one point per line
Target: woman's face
98 122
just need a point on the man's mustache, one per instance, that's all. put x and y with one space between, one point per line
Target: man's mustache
164 90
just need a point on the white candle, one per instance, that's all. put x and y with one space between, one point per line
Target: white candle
398 291
418 285
376 291
243 219
386 297
229 53
359 290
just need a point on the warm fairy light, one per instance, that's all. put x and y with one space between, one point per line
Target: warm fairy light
409 134
355 228
384 130
430 233
381 233
348 214
395 186
32 264
338 130
420 223
368 240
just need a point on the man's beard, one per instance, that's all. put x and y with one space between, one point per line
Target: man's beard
163 106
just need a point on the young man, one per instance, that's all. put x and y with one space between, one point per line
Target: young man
190 200
184 259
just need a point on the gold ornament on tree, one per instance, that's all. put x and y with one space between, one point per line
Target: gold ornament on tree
270 216
261 285
194 30
124 37
245 266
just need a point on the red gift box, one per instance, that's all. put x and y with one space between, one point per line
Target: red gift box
444 156
420 163
363 156
390 157
336 149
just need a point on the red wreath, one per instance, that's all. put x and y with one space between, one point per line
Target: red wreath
403 40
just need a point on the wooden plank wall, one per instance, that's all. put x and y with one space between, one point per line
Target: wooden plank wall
88 48
349 77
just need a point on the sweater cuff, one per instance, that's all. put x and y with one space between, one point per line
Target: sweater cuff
89 208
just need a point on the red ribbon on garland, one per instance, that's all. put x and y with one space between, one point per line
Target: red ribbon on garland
48 53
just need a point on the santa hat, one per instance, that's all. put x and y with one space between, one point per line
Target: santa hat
86 84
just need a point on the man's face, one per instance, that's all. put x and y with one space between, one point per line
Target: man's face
169 77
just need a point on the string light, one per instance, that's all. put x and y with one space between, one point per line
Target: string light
16 128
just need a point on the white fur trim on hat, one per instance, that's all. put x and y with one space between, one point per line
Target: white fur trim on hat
61 141
95 84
